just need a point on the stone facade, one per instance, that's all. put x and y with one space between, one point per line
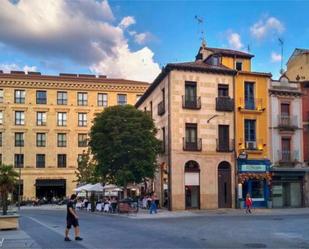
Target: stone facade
71 85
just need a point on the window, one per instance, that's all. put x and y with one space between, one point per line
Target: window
122 99
238 65
223 90
163 96
138 96
0 159
19 118
223 138
215 60
285 109
82 119
150 108
257 188
41 118
40 139
61 118
249 96
19 160
1 95
190 92
82 140
19 97
250 134
40 160
61 140
191 133
82 99
62 98
19 139
102 99
41 97
1 117
62 160
79 158
0 139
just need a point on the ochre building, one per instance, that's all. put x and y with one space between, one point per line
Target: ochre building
45 121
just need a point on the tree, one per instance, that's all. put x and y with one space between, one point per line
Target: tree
87 169
123 143
8 179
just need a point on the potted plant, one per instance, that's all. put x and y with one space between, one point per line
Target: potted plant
8 179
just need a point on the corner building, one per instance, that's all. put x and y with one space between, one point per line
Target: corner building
45 121
192 104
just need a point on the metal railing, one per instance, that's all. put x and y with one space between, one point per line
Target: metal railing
225 104
288 156
192 146
287 122
194 103
255 104
225 146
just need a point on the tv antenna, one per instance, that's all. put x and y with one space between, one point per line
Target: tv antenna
200 22
281 44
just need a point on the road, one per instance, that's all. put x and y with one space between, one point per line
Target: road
46 228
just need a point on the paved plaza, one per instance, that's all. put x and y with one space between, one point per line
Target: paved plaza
44 227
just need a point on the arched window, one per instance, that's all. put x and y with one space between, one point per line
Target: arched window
192 166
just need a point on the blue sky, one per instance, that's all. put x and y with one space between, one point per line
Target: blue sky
133 39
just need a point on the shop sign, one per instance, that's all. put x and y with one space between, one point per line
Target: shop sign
253 167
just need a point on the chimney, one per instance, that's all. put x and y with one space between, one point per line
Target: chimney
203 52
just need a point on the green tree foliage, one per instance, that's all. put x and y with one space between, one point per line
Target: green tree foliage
87 170
123 142
8 179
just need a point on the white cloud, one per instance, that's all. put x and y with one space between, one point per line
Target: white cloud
264 27
275 57
126 22
14 67
82 31
234 41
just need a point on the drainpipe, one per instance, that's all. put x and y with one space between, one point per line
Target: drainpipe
235 142
169 139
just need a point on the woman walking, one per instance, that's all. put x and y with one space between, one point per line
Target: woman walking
248 203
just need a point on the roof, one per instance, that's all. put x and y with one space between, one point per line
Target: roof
68 78
197 66
256 73
230 52
296 52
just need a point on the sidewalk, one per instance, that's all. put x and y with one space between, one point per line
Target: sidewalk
16 239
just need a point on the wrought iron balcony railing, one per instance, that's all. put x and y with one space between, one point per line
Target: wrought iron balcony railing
287 122
225 146
254 104
192 146
191 103
287 156
161 108
225 104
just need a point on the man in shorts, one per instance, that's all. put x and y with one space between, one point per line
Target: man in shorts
72 219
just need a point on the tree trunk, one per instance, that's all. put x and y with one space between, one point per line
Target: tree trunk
125 192
4 204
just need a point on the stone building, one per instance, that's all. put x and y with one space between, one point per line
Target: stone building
193 108
45 120
289 173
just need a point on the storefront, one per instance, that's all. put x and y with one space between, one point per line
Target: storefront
287 188
254 178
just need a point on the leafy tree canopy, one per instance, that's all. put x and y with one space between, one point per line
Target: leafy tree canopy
123 142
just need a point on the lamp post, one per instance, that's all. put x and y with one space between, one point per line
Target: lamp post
19 177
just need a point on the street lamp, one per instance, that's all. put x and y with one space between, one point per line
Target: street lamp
19 177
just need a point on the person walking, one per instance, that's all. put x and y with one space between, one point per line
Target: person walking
153 206
72 219
248 203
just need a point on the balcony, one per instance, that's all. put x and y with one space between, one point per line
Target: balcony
192 146
225 146
287 122
254 146
225 104
251 104
161 108
194 103
288 157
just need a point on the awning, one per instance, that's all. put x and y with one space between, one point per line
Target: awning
50 183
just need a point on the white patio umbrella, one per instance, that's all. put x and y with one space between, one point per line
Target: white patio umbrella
95 188
83 188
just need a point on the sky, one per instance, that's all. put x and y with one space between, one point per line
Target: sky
135 39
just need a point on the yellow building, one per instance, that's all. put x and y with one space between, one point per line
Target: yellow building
251 123
45 120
